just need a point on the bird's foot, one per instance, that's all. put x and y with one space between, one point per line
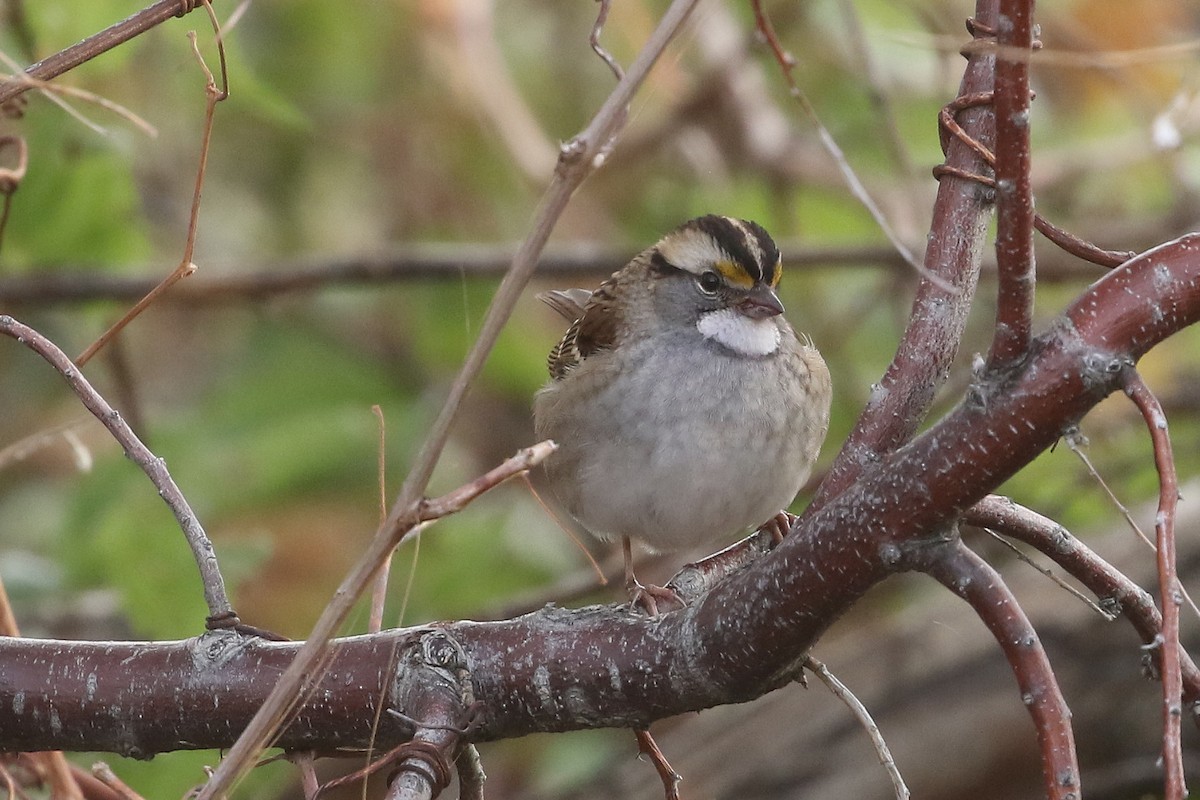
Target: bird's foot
778 526
647 596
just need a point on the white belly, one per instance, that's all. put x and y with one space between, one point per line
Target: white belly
697 460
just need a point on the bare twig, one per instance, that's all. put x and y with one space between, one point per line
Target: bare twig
1076 440
103 772
185 268
455 501
8 620
1078 247
56 94
10 785
35 442
1014 195
379 593
94 45
470 773
568 529
841 692
1175 787
666 773
155 469
1049 573
971 578
786 64
306 765
11 176
594 41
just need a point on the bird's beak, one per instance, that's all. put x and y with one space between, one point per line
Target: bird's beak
760 303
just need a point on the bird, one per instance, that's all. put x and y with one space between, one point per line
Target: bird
684 406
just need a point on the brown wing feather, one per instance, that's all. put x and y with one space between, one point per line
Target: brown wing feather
594 325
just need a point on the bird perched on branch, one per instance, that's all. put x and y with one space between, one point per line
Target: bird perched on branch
685 407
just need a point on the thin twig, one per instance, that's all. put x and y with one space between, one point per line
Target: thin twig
155 468
213 95
8 619
94 45
470 773
1079 247
666 773
59 776
36 442
786 64
379 593
568 530
103 773
970 577
1075 441
594 40
1175 787
863 716
309 782
1049 573
11 176
56 93
454 501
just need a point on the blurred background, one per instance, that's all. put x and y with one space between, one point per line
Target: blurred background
414 139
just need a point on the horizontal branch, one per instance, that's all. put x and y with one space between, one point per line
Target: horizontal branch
139 698
581 262
559 669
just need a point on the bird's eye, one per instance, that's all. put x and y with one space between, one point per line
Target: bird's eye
709 282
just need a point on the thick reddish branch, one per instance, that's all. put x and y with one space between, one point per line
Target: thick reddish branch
558 669
930 343
1014 196
971 578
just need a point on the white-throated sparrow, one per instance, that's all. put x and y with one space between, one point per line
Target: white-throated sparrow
684 406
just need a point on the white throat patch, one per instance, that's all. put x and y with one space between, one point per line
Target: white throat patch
742 335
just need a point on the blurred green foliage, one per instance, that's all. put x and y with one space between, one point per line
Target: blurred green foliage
359 127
